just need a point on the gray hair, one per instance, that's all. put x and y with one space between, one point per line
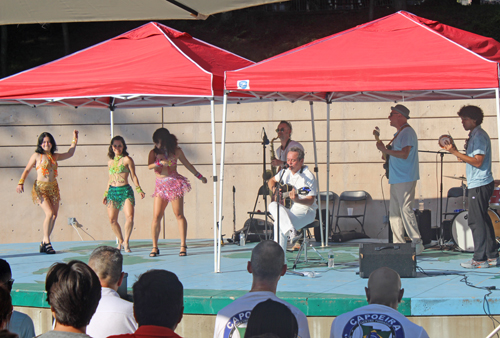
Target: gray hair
267 260
298 151
107 263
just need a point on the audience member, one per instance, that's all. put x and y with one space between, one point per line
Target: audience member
20 323
272 317
381 317
113 315
5 307
73 293
266 266
158 305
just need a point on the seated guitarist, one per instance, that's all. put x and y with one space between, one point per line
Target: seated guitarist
303 197
403 176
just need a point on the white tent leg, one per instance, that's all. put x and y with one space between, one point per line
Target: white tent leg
214 173
221 185
328 103
317 174
497 100
111 122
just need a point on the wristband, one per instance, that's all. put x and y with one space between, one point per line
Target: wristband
106 193
73 141
158 163
198 175
21 182
139 190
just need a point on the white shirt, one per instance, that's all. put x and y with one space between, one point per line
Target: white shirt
375 318
234 317
281 154
302 178
113 316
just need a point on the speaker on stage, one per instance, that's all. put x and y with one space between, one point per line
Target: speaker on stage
424 225
401 257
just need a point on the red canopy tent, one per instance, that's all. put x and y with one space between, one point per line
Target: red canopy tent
150 66
397 53
400 57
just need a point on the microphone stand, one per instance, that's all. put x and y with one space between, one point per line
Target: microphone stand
265 141
278 187
440 205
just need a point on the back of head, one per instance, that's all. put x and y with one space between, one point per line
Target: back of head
7 334
272 317
166 140
158 299
384 285
73 293
472 112
267 260
5 274
107 263
5 306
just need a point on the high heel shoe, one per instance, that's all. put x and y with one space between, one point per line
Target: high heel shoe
155 252
183 253
47 248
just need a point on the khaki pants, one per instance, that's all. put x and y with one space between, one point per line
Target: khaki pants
401 214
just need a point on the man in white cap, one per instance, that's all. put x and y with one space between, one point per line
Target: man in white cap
403 176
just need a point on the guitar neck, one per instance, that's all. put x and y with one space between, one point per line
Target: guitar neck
377 138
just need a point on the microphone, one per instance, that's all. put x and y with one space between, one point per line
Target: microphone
286 166
265 139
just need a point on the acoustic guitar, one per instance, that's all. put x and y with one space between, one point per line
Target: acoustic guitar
376 133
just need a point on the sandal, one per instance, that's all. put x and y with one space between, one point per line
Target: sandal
183 253
47 248
126 248
155 252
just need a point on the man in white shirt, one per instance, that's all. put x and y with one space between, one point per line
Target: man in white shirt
266 266
381 317
303 197
20 323
113 315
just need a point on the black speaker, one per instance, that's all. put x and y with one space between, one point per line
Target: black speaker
400 257
255 229
424 225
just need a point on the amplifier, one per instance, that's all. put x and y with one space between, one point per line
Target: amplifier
424 225
400 257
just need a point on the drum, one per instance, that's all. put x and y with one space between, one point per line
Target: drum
495 199
462 234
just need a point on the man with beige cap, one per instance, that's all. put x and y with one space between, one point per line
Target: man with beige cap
403 177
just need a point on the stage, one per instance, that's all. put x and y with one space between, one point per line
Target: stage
439 290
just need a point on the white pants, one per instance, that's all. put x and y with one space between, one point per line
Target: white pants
289 219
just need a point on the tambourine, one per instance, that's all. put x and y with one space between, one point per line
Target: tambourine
444 140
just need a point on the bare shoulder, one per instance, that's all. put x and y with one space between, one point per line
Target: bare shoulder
178 152
128 160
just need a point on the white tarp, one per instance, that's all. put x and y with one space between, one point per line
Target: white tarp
46 11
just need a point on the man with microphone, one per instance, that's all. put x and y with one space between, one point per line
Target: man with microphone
303 197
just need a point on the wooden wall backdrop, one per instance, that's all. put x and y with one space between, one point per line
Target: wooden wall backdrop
355 161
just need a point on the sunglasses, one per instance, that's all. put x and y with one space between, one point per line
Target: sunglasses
282 130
